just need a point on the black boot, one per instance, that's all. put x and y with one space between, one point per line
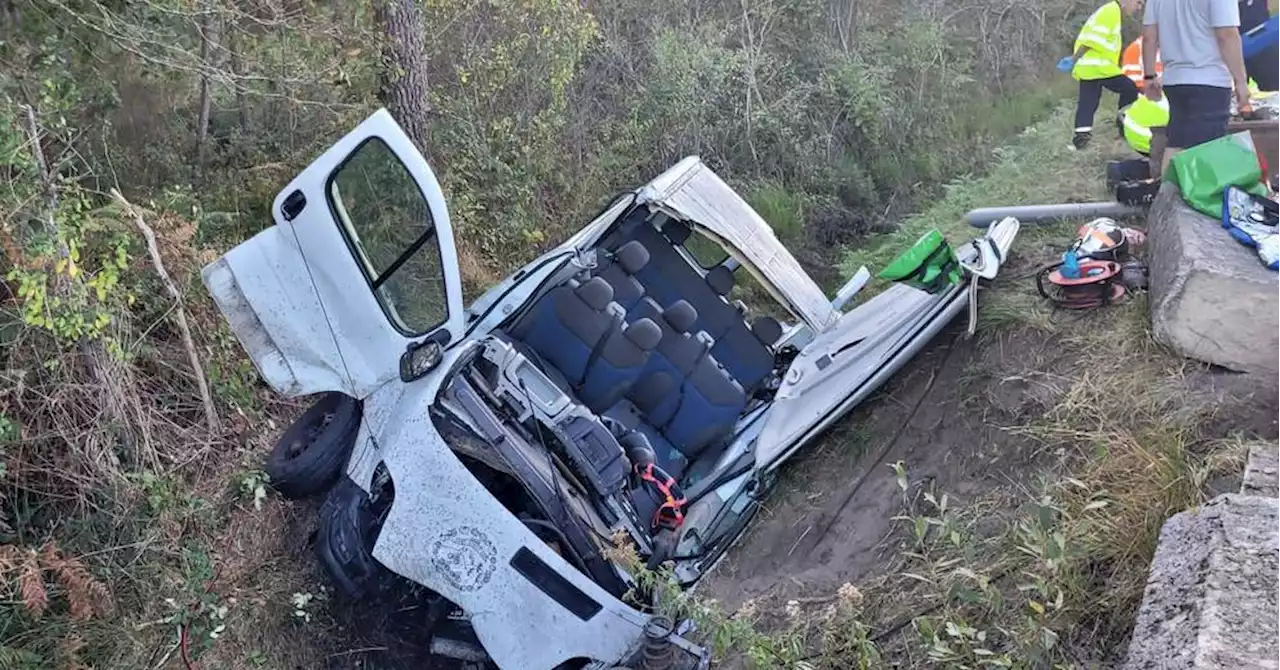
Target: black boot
1081 139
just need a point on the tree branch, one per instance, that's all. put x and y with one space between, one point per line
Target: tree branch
210 412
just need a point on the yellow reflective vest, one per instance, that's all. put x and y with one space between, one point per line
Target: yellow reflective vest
1140 118
1101 34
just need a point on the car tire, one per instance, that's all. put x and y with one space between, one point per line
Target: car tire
310 455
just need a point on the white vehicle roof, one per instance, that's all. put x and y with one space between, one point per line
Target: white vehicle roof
692 192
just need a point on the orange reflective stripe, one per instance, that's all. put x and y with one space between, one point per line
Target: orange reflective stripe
1131 60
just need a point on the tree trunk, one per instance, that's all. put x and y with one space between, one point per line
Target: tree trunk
844 16
208 54
404 68
234 44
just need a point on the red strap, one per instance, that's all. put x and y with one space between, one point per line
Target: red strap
670 512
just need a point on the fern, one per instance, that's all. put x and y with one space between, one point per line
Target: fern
13 658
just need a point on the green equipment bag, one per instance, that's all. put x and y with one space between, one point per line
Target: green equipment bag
1204 172
929 264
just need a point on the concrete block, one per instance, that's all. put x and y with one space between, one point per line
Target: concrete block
1262 472
1211 298
1210 601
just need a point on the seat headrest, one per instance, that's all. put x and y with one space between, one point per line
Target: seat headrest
596 292
644 333
681 316
632 256
677 231
720 278
767 329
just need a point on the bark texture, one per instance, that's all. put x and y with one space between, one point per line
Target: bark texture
404 68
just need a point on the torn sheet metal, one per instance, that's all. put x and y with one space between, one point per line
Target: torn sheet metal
692 191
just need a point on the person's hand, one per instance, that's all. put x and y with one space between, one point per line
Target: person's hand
1244 103
1153 89
1066 64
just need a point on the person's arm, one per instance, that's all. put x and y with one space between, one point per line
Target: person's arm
1084 48
1232 54
1151 86
1224 17
1150 49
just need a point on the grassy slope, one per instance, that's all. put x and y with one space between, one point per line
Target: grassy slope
1049 568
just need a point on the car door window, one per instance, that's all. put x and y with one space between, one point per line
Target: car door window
389 228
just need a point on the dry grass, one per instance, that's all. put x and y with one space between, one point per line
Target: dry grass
114 489
1047 570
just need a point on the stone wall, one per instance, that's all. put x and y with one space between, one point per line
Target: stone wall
1210 601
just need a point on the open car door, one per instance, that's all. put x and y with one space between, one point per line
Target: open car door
359 265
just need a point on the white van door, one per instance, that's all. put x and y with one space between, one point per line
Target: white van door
359 265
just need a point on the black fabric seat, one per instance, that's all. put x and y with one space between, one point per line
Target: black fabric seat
620 271
567 324
746 354
668 278
710 404
578 331
688 400
657 394
618 363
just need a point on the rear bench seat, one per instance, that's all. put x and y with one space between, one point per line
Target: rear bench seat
620 270
687 361
668 277
688 400
578 330
657 394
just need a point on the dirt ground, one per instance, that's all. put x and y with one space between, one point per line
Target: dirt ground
830 522
945 417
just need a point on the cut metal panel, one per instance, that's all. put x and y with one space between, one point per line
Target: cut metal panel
845 364
693 192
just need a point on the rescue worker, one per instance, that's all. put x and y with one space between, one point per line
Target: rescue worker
1096 65
1138 119
1131 62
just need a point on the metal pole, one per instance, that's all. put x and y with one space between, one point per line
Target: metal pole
985 216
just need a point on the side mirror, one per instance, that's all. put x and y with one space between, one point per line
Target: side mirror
418 359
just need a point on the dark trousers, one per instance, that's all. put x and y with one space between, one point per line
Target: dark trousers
1091 95
1197 114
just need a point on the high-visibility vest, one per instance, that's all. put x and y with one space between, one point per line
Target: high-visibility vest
1140 118
1131 62
1101 33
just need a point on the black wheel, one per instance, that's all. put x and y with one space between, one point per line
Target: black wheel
312 452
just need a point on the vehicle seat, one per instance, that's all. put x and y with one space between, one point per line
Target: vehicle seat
665 454
668 277
710 403
620 271
767 330
619 362
657 394
565 326
746 354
